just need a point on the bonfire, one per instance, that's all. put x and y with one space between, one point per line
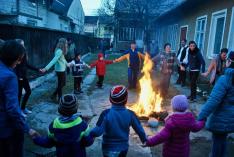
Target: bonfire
149 103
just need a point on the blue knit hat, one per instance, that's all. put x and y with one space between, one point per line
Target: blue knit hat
179 103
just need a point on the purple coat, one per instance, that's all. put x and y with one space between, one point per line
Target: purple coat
175 134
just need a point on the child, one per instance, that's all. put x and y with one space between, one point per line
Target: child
68 133
114 124
100 68
77 72
175 134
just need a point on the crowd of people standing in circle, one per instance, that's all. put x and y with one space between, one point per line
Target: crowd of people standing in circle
71 135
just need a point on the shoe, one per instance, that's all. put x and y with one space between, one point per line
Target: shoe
27 111
23 114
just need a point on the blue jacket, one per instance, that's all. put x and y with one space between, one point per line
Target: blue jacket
114 124
70 135
219 108
11 119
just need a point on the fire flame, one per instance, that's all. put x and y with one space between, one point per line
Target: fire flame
149 101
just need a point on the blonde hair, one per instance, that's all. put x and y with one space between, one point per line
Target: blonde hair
62 44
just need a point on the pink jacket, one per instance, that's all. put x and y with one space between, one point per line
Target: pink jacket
175 134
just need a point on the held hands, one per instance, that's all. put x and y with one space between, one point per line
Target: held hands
205 74
43 70
33 134
182 68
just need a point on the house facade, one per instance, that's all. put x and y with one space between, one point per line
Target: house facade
210 23
90 26
105 27
63 15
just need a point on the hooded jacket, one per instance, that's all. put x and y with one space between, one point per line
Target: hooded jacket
175 134
70 135
100 65
219 108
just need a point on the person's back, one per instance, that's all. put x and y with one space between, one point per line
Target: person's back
175 134
115 123
69 133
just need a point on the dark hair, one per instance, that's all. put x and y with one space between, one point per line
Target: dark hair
133 42
77 54
11 52
185 40
167 44
231 57
223 50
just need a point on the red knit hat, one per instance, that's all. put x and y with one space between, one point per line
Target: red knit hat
119 95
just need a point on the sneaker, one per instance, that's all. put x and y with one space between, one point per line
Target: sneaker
27 111
23 114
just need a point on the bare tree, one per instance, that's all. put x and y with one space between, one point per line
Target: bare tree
144 11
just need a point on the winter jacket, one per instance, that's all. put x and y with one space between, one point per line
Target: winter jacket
59 61
134 59
22 68
219 108
175 134
196 61
78 68
166 62
70 135
114 124
11 119
100 65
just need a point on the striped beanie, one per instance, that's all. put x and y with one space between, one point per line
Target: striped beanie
179 103
119 95
68 105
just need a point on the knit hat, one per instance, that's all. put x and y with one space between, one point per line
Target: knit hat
68 105
179 103
119 95
231 55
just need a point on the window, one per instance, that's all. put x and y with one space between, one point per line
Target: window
139 34
126 34
231 33
172 36
200 32
216 33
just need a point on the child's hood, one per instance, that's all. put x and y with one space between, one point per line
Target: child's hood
183 121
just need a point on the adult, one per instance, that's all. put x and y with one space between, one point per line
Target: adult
217 66
12 123
181 54
195 63
60 66
70 52
134 58
23 83
166 60
219 109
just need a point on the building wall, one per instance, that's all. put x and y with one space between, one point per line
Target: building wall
190 17
40 16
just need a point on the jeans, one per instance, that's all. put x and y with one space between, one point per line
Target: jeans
12 146
115 154
24 84
77 83
219 144
61 83
132 77
193 84
100 81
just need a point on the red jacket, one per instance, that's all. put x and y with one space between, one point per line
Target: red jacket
100 65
